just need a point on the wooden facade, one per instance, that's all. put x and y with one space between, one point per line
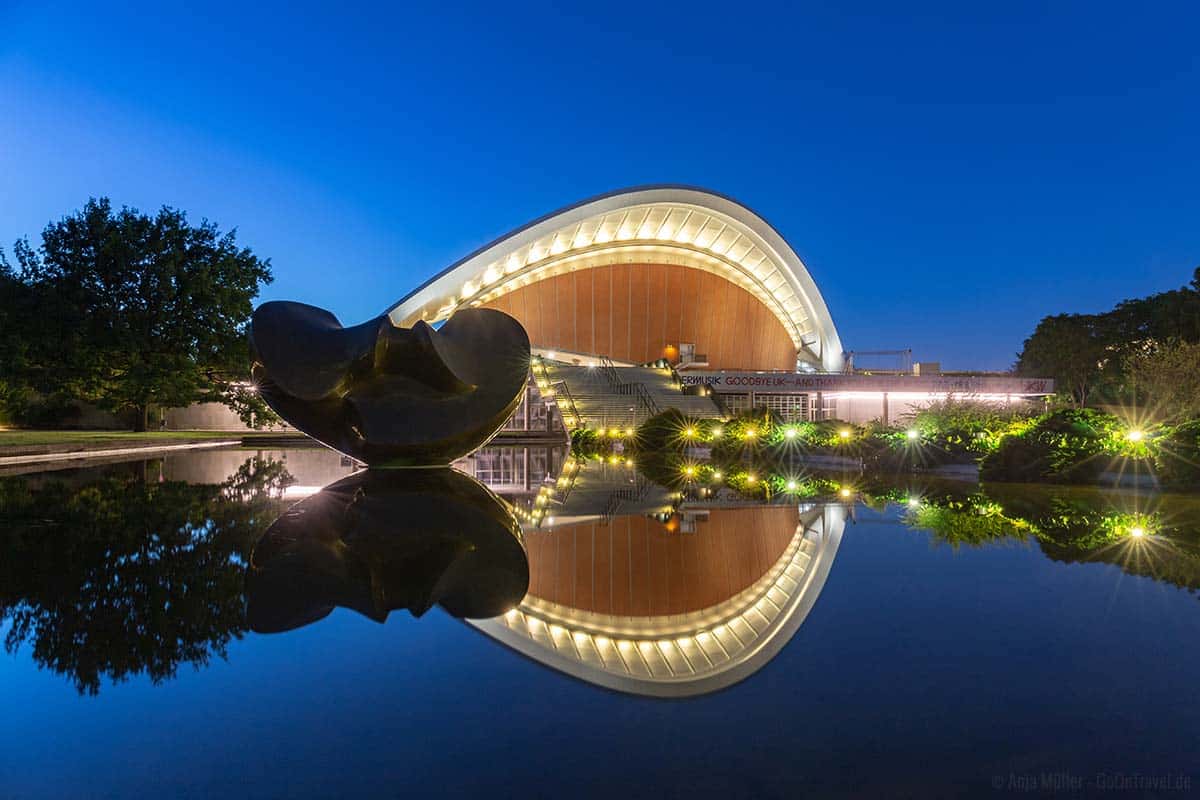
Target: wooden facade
635 312
632 566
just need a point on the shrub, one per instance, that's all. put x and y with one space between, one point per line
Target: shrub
1068 446
1178 456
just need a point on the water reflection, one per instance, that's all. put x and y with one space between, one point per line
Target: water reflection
114 575
588 567
1156 536
382 540
636 606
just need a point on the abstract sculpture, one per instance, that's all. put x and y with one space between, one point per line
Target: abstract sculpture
378 541
389 396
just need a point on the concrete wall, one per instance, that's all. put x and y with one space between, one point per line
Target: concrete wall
208 417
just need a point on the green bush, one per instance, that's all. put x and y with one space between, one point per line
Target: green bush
587 443
1068 446
1177 460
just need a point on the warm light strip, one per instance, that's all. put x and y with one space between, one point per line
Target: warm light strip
739 259
878 395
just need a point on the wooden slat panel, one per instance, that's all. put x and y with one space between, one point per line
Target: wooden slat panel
621 311
585 596
622 604
658 316
584 312
639 318
641 575
602 288
602 565
674 304
693 311
630 312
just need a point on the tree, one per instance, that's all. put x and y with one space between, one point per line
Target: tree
131 311
1088 354
1071 348
1168 377
14 311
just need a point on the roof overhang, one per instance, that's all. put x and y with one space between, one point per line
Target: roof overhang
659 224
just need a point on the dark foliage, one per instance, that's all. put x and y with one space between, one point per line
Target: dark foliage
124 576
1068 446
127 310
1087 354
1177 460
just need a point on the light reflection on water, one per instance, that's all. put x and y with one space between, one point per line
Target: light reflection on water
116 579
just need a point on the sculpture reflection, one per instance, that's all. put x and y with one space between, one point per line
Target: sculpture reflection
379 541
390 396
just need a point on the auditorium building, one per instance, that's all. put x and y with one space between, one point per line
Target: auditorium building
681 276
696 279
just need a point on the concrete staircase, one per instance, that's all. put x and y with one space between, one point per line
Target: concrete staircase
607 396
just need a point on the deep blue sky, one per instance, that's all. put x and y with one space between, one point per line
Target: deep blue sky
949 175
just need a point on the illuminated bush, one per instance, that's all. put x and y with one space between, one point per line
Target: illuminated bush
1068 446
1177 459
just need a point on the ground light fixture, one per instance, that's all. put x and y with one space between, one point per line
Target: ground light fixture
789 433
1137 531
913 502
750 433
843 433
1135 435
689 432
750 478
913 434
716 476
717 431
845 492
791 486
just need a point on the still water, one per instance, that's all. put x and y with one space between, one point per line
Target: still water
212 623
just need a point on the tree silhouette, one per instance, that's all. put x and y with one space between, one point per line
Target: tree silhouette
119 576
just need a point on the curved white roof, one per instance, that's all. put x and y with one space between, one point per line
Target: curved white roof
663 224
683 654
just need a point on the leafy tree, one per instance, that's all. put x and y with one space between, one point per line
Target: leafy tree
1088 354
1177 460
15 311
1074 349
1168 377
128 310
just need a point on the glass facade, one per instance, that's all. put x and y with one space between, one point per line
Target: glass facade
791 407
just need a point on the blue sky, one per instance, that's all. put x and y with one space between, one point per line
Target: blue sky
949 173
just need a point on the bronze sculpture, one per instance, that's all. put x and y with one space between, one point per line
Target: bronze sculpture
390 396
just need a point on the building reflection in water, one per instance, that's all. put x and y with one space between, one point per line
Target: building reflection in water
635 591
625 583
629 605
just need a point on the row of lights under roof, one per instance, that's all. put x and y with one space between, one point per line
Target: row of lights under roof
760 283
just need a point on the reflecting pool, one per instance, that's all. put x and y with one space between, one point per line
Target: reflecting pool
278 623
